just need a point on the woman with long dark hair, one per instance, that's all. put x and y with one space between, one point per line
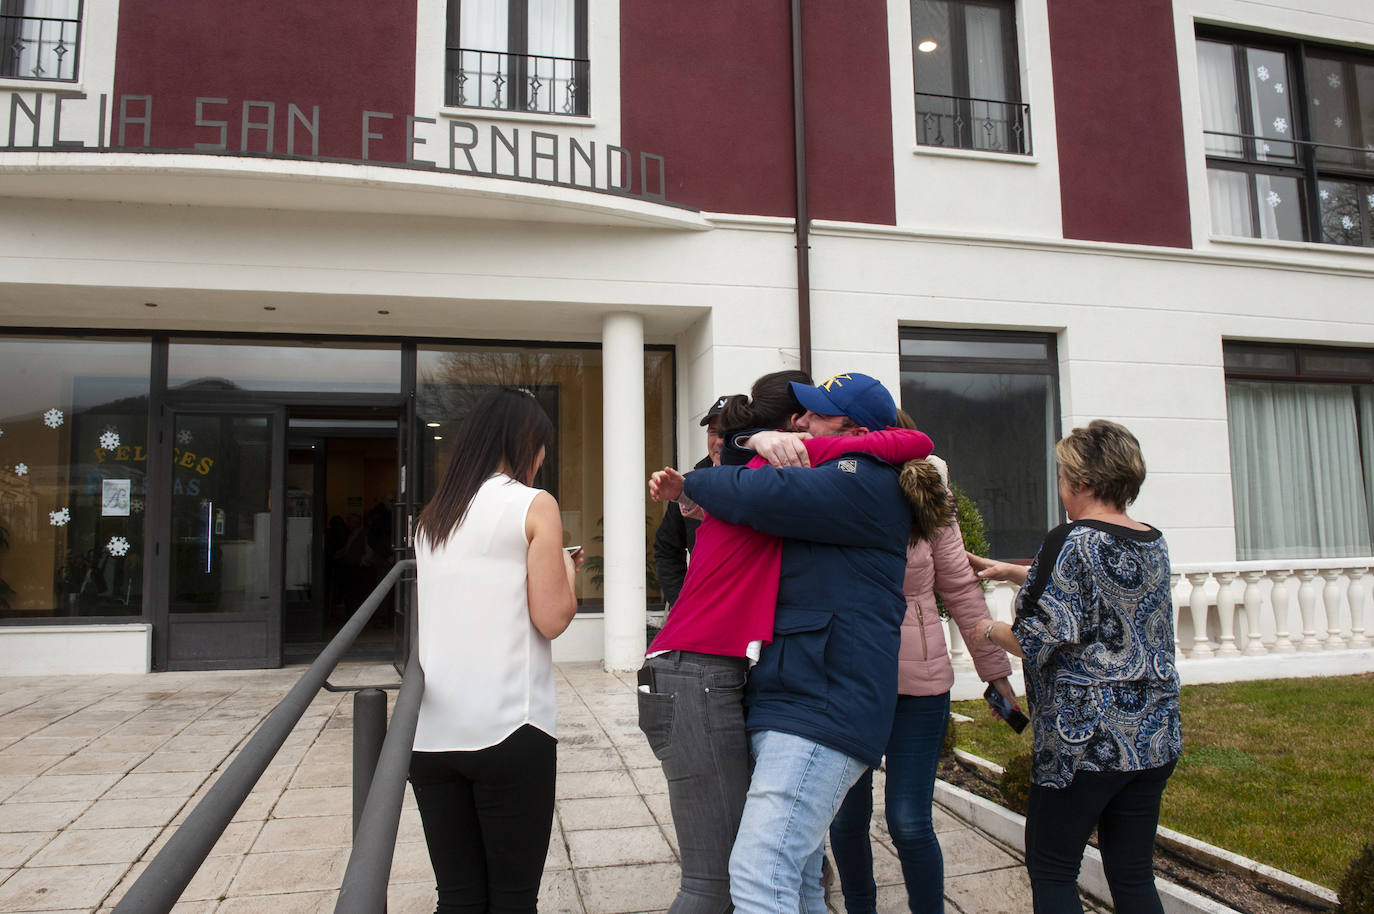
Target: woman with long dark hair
495 586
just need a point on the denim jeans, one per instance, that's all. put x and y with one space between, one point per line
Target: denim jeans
913 755
693 716
797 786
1124 807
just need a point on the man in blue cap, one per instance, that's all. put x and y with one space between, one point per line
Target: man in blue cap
821 698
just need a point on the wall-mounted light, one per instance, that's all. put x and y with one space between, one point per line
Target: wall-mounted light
438 437
926 46
432 424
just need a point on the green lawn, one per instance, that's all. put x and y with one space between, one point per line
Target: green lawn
1280 771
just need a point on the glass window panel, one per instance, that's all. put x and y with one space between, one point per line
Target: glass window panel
1259 360
996 431
1216 63
1269 105
934 48
221 513
1329 111
1337 363
73 457
1340 208
1228 197
299 367
984 27
975 349
1280 207
567 383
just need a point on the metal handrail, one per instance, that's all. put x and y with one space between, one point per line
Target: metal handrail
166 878
374 842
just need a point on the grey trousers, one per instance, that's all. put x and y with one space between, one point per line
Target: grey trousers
691 708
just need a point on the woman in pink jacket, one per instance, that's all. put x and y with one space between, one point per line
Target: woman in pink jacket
936 563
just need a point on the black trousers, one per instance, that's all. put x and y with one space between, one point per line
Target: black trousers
1124 807
487 815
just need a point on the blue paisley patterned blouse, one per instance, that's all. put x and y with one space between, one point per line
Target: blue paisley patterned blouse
1099 646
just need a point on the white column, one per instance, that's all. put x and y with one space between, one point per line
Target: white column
622 378
1278 599
1254 647
1226 613
1356 595
1197 604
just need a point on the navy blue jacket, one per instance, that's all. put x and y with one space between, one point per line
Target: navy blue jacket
830 674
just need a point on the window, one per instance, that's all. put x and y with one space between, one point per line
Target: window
1301 423
566 380
73 460
968 93
1289 133
990 401
39 39
518 55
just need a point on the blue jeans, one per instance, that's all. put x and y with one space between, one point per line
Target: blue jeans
775 867
1124 807
913 755
693 717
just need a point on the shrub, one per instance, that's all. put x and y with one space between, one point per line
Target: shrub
947 748
1357 885
974 530
1015 783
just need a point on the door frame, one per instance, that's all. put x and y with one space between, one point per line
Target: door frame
159 505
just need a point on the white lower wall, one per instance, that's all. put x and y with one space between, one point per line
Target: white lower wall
583 640
69 650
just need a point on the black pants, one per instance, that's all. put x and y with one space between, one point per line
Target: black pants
487 816
1124 806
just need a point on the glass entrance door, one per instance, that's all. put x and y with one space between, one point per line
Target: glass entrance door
225 562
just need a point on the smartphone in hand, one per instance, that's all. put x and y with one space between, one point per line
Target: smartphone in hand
1008 711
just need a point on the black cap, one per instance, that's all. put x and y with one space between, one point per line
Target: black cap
715 410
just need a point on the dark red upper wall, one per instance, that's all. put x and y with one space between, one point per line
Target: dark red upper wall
1120 126
347 56
708 86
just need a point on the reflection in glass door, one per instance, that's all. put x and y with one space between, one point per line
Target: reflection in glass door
225 564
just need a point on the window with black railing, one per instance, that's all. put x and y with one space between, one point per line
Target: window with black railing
968 76
518 55
39 39
1289 137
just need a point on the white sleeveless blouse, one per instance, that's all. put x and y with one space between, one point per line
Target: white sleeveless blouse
488 670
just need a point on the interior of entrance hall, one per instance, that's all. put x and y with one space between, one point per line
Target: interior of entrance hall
341 482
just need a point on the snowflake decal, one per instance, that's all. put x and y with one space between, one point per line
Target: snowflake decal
1266 148
109 440
21 469
1273 199
60 517
1333 80
1325 195
1316 103
1278 87
184 436
1339 122
1280 125
1262 74
1370 201
136 505
2 433
52 418
1347 223
117 546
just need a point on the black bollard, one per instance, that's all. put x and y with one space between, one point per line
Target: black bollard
369 730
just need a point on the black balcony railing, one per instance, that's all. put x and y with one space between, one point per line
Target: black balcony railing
516 82
39 47
960 122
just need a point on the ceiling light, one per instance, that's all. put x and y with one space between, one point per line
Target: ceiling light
926 46
432 424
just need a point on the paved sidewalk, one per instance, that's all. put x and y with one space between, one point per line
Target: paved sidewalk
96 771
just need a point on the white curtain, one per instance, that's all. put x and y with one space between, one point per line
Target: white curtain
1228 196
1296 472
987 76
47 49
551 42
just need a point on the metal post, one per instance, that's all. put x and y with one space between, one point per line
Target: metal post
369 731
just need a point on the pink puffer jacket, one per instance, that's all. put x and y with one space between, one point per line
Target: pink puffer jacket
939 564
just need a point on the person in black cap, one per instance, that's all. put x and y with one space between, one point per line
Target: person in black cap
677 534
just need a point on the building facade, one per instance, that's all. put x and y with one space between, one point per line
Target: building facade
252 268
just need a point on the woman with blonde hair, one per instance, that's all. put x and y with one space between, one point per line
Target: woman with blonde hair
1094 624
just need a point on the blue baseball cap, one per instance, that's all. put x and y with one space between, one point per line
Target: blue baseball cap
859 397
